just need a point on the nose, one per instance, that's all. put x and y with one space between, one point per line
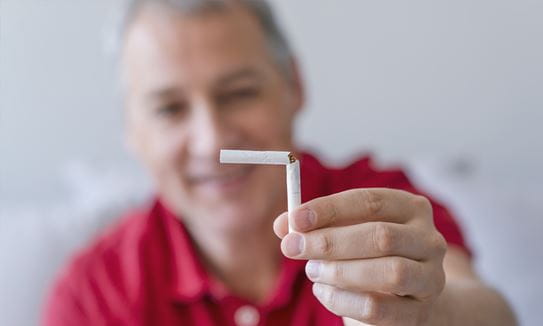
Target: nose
208 131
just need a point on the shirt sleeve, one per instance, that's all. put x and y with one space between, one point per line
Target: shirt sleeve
62 306
85 292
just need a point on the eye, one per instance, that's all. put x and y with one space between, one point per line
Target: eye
170 110
239 94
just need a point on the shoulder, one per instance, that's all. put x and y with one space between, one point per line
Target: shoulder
360 172
100 276
114 244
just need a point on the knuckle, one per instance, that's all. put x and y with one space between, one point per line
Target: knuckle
440 283
324 244
373 201
422 203
338 271
384 238
330 210
439 280
372 310
435 282
399 276
439 243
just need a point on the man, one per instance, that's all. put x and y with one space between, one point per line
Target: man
204 75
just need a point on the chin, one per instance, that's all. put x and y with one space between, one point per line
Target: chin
236 218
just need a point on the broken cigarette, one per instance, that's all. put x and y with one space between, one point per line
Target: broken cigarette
294 195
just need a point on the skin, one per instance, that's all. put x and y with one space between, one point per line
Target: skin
196 84
376 257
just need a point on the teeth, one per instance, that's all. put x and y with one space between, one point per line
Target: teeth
221 177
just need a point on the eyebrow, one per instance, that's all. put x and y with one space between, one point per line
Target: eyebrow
160 94
239 74
164 92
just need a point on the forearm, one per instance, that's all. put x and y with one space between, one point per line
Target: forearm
469 302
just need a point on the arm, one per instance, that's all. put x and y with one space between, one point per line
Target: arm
465 299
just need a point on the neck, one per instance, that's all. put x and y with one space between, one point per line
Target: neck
247 263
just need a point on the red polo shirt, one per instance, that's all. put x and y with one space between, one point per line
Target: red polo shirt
145 271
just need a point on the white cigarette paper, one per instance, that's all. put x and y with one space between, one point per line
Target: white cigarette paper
254 157
294 194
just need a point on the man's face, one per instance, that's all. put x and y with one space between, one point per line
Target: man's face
196 84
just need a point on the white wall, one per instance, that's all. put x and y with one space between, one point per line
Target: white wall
414 78
410 80
406 78
56 95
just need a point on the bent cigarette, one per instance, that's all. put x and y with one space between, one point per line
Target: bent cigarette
294 194
254 157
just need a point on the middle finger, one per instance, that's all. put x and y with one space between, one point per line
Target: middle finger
366 240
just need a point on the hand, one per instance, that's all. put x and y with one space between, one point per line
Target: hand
374 254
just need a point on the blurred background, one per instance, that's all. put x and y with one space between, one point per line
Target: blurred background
451 90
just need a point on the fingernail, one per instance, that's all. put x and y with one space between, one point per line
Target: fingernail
294 244
318 290
304 219
313 269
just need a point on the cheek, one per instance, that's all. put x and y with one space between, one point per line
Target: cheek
162 151
267 123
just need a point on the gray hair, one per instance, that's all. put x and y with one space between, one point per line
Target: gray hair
277 42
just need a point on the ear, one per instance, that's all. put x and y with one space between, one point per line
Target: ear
298 86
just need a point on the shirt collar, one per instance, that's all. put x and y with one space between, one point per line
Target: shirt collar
188 280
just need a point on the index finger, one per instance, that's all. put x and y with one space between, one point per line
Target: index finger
358 206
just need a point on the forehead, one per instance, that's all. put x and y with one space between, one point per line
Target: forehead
162 46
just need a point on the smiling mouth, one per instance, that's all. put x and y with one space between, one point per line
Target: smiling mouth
222 179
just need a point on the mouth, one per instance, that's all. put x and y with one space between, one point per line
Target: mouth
226 180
